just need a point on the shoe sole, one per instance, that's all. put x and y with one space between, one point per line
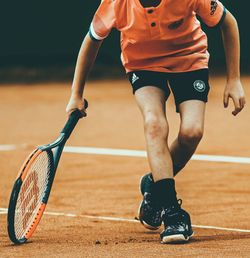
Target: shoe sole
175 239
143 222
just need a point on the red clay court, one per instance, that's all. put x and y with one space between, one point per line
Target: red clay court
95 196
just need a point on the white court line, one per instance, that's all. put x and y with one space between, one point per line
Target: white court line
4 211
8 147
105 151
134 153
137 153
11 147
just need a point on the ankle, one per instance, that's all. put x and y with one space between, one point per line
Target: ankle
165 193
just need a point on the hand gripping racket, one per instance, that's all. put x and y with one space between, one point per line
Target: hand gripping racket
32 187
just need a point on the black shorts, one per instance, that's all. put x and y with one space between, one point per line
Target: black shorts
184 86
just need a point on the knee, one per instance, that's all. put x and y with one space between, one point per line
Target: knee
190 137
155 127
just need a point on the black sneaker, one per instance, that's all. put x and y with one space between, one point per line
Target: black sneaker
149 210
177 225
146 183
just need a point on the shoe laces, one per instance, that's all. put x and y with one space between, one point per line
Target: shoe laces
179 202
172 212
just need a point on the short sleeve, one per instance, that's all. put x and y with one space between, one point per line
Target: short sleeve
212 12
103 21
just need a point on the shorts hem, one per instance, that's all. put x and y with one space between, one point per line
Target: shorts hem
178 104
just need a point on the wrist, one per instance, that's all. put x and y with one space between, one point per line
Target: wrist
233 73
77 89
76 94
233 78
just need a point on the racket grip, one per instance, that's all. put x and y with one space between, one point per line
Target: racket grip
71 123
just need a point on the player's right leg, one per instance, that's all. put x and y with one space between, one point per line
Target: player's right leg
160 202
151 101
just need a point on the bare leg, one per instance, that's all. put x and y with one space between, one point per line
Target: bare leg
151 102
160 202
192 114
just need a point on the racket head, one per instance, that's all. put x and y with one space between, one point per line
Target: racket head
30 194
32 187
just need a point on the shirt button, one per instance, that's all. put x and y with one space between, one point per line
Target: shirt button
153 24
150 11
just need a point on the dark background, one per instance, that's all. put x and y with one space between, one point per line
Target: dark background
40 40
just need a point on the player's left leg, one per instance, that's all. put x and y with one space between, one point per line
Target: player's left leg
190 91
191 130
192 113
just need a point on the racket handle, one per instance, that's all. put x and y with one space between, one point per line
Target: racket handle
72 121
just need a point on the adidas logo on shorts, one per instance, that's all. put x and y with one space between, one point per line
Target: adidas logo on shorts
134 78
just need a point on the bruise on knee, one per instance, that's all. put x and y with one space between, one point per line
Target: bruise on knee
156 127
190 137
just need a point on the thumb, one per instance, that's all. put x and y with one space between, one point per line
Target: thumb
226 99
83 107
85 103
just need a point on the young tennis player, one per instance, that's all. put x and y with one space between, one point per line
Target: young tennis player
164 50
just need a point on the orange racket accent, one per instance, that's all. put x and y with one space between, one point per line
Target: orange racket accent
32 187
36 221
30 159
24 164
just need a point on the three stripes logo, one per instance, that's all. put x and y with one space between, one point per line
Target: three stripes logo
134 78
213 6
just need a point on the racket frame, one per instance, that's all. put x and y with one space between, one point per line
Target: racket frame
57 146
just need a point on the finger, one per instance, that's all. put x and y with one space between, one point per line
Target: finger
237 106
236 111
86 103
83 107
70 111
242 102
226 100
82 111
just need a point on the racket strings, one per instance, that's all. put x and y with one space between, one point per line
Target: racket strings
32 193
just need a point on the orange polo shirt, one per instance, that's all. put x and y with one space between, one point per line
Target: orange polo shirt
166 38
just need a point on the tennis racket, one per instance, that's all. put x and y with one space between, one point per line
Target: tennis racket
32 187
